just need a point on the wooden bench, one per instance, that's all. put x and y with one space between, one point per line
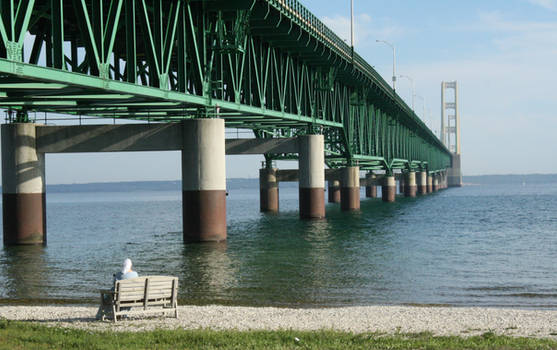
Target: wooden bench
140 295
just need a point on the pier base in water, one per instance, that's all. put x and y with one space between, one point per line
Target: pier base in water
350 190
334 191
401 183
23 186
454 177
204 180
422 182
268 190
410 188
388 191
312 176
371 189
435 183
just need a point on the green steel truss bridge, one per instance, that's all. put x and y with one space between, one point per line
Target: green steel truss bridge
266 65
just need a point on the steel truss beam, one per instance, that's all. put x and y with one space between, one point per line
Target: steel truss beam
267 65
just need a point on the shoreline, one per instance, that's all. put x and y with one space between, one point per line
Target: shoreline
439 320
93 302
87 302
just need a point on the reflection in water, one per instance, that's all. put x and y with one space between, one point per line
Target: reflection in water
206 268
24 272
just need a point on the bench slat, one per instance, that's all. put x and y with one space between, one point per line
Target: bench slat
142 286
151 293
139 303
135 288
141 292
152 297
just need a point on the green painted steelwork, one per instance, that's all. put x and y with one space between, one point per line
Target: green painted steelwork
266 65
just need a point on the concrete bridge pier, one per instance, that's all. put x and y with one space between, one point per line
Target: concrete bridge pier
454 173
422 183
435 183
371 189
334 191
429 183
440 181
410 188
23 186
388 191
312 176
268 190
401 183
203 180
350 190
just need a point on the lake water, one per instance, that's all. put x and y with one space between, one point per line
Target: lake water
479 245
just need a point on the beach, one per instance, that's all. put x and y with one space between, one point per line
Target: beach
441 321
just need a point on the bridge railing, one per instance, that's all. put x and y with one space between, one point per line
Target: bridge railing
308 21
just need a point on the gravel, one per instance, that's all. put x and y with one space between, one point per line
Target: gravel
463 321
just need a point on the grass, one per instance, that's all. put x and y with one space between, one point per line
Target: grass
26 335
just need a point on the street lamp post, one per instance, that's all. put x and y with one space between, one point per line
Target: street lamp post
412 83
394 60
352 24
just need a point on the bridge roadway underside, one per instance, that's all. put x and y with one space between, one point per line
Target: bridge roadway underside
203 146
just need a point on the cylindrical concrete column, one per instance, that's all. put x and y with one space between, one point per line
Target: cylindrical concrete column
334 191
350 190
440 182
23 186
435 183
371 189
268 190
429 183
401 183
410 188
204 180
312 176
389 189
422 182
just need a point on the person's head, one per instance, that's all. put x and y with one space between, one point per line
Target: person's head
127 267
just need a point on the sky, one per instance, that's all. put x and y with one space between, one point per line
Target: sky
503 53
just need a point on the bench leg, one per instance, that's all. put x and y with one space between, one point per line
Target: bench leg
104 307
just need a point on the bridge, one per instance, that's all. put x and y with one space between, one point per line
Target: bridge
189 69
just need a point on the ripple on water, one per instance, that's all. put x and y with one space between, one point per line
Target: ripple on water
477 245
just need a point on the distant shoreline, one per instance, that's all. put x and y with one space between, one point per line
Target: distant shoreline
239 183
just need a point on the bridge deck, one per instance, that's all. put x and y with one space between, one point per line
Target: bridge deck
267 65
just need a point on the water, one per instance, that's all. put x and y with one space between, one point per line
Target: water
485 245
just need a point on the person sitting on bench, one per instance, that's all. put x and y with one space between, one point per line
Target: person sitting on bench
126 272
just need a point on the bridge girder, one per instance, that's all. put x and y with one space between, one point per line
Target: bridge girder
266 65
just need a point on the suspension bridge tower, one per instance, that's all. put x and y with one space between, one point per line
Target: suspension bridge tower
450 130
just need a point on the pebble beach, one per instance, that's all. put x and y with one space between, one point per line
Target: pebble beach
460 321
